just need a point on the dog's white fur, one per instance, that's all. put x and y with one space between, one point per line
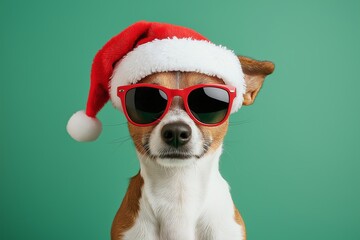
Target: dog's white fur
183 198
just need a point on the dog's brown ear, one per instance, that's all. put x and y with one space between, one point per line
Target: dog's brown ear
255 73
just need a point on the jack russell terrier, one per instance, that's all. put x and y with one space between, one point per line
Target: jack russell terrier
177 90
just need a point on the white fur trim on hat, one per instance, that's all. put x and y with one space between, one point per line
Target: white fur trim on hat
186 55
83 128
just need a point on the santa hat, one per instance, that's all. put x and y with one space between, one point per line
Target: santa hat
145 48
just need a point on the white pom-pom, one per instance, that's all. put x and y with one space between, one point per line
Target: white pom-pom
83 128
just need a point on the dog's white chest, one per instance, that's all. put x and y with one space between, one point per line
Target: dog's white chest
212 221
193 205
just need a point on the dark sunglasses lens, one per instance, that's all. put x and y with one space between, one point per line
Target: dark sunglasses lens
209 105
145 104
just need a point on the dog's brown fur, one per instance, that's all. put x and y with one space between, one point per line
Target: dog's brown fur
128 211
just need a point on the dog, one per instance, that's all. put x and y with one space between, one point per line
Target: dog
178 116
177 195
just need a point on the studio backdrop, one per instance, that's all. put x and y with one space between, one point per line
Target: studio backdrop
292 159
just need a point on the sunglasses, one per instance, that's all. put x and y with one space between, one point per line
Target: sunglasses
206 104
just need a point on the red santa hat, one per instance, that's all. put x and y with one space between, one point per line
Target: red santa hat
145 48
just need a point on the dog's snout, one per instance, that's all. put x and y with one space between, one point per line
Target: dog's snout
176 134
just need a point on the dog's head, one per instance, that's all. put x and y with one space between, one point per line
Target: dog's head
186 122
177 139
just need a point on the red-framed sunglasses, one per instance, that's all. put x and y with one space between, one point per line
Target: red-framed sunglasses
146 104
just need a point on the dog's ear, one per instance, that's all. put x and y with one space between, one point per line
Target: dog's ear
255 73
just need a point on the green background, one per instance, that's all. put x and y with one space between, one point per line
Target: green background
292 159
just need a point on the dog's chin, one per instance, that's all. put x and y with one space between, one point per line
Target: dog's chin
175 160
175 155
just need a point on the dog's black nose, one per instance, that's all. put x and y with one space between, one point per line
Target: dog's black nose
176 134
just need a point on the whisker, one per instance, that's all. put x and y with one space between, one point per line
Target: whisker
121 139
114 124
237 123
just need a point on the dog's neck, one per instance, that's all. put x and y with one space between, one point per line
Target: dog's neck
181 196
198 173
